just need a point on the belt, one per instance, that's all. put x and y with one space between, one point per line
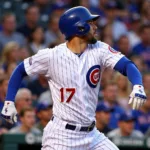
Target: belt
83 128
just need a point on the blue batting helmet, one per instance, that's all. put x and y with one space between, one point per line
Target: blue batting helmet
74 22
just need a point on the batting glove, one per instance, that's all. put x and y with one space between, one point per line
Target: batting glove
137 97
9 112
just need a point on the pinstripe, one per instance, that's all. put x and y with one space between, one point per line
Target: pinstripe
76 105
110 146
71 140
95 92
67 83
37 65
63 81
53 89
79 103
51 134
84 145
92 91
71 86
88 65
40 58
56 67
106 144
62 132
45 136
86 96
94 57
113 145
57 137
64 69
102 146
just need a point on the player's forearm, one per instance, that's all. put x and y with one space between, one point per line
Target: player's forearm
134 75
15 81
127 68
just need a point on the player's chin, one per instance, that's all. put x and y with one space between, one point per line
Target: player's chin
92 40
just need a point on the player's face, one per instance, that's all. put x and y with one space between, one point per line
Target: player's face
91 36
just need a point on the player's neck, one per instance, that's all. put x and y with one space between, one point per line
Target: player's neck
77 45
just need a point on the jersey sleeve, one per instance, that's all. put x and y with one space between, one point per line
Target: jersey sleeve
110 57
38 63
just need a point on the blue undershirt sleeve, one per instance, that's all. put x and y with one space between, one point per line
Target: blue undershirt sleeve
128 68
15 80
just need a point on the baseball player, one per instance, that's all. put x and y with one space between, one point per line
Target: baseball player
73 70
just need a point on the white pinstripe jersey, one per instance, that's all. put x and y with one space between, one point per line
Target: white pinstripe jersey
74 81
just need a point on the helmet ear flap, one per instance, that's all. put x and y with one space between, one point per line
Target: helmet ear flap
82 28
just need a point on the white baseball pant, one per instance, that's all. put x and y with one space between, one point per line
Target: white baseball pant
57 137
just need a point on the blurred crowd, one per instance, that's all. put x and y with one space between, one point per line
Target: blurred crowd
29 25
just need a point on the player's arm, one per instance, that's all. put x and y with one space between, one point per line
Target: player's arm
9 111
128 68
115 60
35 65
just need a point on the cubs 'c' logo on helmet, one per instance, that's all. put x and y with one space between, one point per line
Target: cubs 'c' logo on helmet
93 76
